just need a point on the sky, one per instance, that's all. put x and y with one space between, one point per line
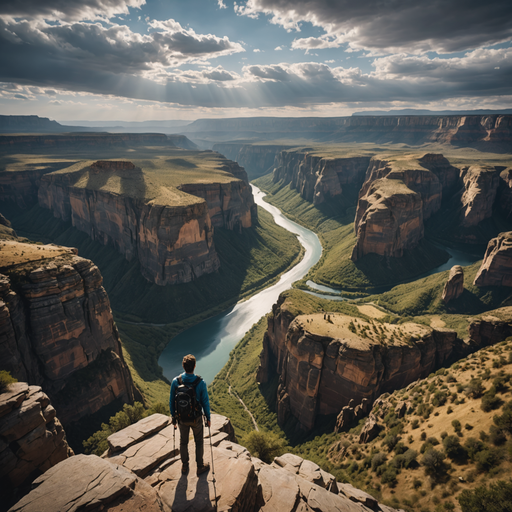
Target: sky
137 60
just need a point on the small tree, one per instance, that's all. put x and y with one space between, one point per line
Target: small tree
264 445
433 462
496 498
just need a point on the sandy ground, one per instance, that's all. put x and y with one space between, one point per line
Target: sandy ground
359 332
16 253
435 321
371 311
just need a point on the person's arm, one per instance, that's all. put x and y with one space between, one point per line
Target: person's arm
204 400
172 400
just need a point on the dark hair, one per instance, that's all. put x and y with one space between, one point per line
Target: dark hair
189 363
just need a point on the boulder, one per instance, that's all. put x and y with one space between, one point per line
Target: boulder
370 430
455 285
358 496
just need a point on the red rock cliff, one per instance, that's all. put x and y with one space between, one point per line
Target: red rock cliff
320 373
174 243
496 268
57 329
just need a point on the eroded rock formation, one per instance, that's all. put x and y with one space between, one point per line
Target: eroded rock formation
389 219
32 439
57 329
318 178
480 187
173 242
496 268
147 475
455 285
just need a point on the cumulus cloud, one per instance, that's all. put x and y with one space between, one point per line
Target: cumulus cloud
391 25
222 5
36 47
68 10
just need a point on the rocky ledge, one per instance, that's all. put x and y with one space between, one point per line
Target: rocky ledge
144 472
454 285
32 439
57 329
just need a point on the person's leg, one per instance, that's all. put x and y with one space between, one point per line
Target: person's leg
197 429
184 433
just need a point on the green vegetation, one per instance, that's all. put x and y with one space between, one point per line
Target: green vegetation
249 261
264 445
496 498
5 379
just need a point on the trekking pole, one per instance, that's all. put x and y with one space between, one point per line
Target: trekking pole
213 468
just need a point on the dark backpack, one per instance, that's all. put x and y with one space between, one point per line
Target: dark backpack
186 405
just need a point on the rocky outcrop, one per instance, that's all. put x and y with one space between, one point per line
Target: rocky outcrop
173 242
57 329
455 285
491 328
351 413
480 188
230 205
20 187
504 199
389 220
323 365
319 178
32 439
242 483
496 268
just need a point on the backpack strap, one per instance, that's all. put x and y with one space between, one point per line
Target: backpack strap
196 381
180 381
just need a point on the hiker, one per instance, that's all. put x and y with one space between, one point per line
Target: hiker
188 401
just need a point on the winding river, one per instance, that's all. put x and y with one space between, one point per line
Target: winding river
212 340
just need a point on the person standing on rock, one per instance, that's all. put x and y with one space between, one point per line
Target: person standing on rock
188 402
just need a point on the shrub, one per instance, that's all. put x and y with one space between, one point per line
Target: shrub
444 434
500 383
410 458
456 425
490 401
415 423
377 460
389 477
264 445
453 448
475 388
473 446
487 459
496 436
400 448
498 495
504 422
423 436
5 379
439 398
433 462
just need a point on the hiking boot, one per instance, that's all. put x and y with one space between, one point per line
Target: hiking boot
203 469
184 469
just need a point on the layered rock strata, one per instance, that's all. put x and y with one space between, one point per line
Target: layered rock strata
504 200
173 242
57 329
496 268
147 475
32 439
389 220
318 178
324 362
480 188
454 285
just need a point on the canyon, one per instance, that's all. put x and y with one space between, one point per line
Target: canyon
57 329
326 361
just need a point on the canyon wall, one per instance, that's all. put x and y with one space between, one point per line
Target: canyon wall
21 187
319 374
174 244
389 220
57 329
32 439
318 178
257 159
496 267
483 131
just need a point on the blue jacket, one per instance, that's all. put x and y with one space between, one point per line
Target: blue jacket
201 393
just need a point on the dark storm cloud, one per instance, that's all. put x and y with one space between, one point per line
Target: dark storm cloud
67 9
391 25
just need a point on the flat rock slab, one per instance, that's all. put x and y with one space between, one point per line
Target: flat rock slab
235 483
358 496
142 457
87 482
279 488
137 432
12 397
